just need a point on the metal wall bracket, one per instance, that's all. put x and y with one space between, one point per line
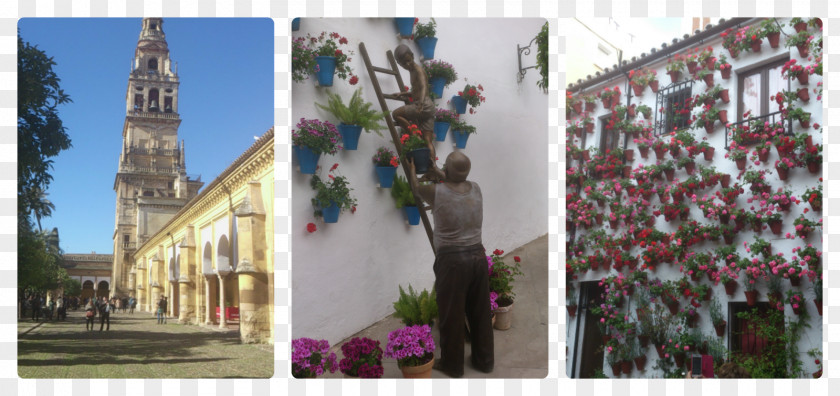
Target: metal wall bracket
519 52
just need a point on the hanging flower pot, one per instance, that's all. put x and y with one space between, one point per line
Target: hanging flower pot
461 139
730 286
755 45
728 239
616 369
802 78
751 295
638 89
326 70
814 167
675 76
331 212
589 106
589 127
660 153
626 366
795 281
437 84
460 104
709 79
689 168
709 126
628 154
442 127
412 213
679 359
724 180
607 102
691 322
801 26
674 307
818 303
733 52
615 100
631 111
405 26
626 171
741 163
572 309
660 352
350 135
427 46
644 339
675 152
783 173
710 64
805 121
723 116
308 159
654 85
803 50
669 174
643 151
386 175
692 67
803 95
708 153
295 24
726 73
422 160
773 39
577 107
763 154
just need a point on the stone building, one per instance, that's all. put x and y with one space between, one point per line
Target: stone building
92 270
151 181
214 255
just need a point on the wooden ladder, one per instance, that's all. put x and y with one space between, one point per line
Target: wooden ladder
394 71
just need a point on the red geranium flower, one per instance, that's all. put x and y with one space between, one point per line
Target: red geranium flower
354 80
311 227
516 258
498 252
333 167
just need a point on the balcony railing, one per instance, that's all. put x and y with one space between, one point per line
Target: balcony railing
772 119
129 245
152 151
146 169
152 114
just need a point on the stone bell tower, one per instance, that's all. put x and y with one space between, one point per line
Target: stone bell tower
151 181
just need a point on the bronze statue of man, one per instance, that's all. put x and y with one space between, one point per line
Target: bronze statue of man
421 109
461 279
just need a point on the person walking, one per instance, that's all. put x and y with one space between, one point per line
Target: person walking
105 314
60 308
460 267
131 304
161 311
90 313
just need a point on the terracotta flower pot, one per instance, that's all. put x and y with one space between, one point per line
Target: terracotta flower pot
674 307
803 95
751 295
577 107
741 163
572 309
709 79
814 167
724 95
709 153
723 117
644 340
628 154
763 155
795 281
626 366
679 359
660 352
626 171
818 303
755 45
733 52
607 102
803 50
689 168
675 76
589 106
654 86
800 26
783 173
773 39
638 89
660 153
720 329
631 112
724 180
709 126
640 362
643 151
421 371
675 152
710 64
589 128
730 287
692 67
726 73
802 78
616 369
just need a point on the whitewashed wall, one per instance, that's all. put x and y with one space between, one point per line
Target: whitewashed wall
345 275
798 181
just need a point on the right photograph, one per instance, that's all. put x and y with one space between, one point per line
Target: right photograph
694 178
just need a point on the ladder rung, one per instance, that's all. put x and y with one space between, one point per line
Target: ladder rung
384 70
427 208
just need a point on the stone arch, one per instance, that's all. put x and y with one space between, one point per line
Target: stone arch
207 259
223 254
154 100
152 64
87 290
235 242
102 289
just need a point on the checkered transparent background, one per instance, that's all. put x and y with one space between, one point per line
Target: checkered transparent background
282 11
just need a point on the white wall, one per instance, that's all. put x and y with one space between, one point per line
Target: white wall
798 181
345 275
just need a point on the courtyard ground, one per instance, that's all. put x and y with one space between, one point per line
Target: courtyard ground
136 347
519 352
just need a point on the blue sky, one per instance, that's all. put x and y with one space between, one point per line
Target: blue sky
226 69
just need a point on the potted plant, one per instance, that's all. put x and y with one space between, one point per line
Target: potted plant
416 309
471 94
571 301
791 70
797 113
404 198
724 67
801 41
330 59
542 57
405 25
311 139
502 275
675 66
610 97
812 156
589 102
818 295
796 301
716 312
362 358
814 197
798 24
461 130
415 147
424 36
386 163
707 76
639 79
355 116
816 353
443 119
303 60
440 74
333 197
645 110
311 358
414 349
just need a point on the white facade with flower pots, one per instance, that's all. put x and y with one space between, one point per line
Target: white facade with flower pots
346 274
755 76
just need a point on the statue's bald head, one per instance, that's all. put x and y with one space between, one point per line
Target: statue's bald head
457 167
400 53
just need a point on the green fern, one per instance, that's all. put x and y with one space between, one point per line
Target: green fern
357 112
416 309
401 191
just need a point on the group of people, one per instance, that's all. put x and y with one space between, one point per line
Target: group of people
103 307
38 306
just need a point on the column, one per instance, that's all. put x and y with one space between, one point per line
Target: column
222 318
186 306
254 320
210 294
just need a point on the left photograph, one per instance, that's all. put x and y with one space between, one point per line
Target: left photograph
145 198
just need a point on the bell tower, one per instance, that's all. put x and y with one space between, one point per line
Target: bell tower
151 181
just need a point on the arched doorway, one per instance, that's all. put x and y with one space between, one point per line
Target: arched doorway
102 289
87 290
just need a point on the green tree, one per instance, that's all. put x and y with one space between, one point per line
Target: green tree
41 134
72 287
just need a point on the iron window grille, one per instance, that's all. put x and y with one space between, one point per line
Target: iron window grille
667 99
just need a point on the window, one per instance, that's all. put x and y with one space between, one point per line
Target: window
744 337
609 137
148 193
673 107
153 64
755 87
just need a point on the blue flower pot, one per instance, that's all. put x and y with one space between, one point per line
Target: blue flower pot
460 104
405 26
326 70
413 214
295 24
308 160
331 213
422 160
461 139
437 84
440 130
386 175
350 135
427 46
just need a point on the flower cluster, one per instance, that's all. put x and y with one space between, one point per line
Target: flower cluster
327 44
310 358
443 115
385 157
411 345
303 60
362 358
438 68
320 137
412 140
472 94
